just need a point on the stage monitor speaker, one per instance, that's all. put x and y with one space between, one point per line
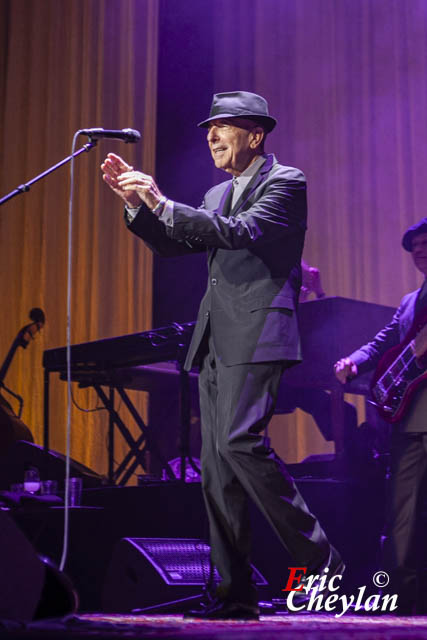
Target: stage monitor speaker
156 572
23 454
30 586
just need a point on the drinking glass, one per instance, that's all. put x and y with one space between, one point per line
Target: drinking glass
31 480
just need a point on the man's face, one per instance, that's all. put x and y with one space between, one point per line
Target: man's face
419 252
233 143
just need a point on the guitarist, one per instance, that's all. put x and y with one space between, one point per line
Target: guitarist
408 447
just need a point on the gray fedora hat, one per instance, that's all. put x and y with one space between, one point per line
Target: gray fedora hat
419 227
240 104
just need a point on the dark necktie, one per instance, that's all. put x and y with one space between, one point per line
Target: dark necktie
421 302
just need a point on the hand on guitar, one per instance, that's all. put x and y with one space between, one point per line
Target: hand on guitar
344 369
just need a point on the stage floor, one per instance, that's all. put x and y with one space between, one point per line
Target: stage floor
278 627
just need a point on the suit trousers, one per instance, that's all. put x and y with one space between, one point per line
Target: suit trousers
236 404
408 469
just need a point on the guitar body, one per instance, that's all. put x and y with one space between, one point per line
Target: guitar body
399 375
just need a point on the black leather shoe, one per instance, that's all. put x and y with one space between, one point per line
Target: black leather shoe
332 566
225 610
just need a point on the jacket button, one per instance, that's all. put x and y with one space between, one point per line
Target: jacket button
214 281
207 314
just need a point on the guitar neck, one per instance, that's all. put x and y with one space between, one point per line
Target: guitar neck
401 364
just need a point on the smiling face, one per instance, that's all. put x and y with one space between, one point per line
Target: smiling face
234 143
419 252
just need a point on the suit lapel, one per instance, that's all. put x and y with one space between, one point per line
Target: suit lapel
224 207
258 179
225 203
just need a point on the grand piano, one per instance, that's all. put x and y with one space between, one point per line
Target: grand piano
152 361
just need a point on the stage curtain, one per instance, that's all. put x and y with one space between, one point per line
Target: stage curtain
347 81
67 65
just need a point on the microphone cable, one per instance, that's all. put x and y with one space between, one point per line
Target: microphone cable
68 349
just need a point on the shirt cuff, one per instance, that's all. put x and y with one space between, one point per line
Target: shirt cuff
167 214
131 213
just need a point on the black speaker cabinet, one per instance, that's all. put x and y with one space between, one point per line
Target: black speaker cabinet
30 586
157 572
22 573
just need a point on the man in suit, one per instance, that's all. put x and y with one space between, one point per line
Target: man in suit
246 334
409 437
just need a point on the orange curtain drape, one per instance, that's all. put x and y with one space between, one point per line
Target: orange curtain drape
347 80
67 65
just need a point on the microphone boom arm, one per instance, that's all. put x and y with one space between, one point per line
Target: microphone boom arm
26 186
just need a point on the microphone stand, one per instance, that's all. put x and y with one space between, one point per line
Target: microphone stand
26 186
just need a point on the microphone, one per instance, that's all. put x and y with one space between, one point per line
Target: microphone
127 135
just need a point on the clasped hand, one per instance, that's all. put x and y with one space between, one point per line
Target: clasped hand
132 186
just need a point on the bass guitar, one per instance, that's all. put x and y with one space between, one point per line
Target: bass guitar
401 372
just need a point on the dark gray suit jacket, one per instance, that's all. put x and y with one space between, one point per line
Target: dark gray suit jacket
368 356
254 255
